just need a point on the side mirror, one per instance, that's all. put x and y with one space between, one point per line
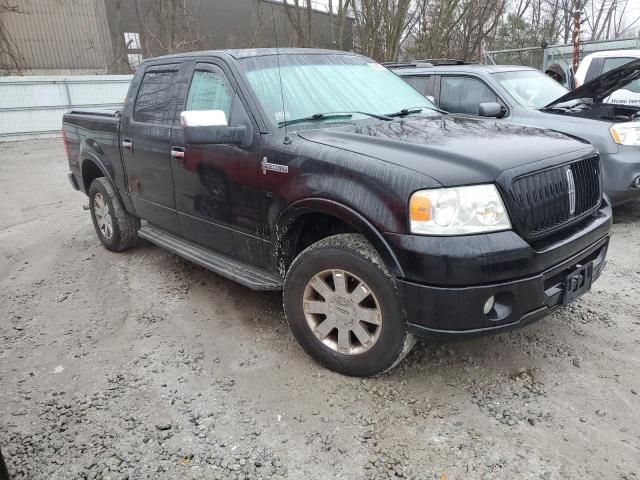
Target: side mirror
210 127
490 109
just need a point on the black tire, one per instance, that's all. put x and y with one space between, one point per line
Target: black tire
4 473
355 255
124 231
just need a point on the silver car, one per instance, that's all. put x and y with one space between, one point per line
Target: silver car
527 96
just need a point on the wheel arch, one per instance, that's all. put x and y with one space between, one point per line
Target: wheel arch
92 167
291 222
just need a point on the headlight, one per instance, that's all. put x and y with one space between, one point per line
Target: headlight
458 211
626 133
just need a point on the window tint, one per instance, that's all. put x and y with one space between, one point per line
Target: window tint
420 83
614 62
610 64
594 69
464 94
154 101
209 90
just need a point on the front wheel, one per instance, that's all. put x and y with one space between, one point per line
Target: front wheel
343 307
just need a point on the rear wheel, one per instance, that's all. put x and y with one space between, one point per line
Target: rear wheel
116 229
343 307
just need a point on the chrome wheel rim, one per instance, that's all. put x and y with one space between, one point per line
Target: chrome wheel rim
342 312
103 216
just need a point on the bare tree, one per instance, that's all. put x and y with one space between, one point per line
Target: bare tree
257 22
167 26
11 59
381 26
455 28
119 64
299 14
339 12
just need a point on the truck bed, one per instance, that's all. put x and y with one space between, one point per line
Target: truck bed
93 134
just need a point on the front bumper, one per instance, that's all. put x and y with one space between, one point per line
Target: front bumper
619 170
527 282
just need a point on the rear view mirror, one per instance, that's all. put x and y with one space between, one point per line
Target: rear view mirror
210 127
490 109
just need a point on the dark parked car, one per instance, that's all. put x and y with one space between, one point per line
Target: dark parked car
323 174
526 96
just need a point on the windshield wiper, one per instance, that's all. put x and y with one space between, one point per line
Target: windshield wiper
408 111
330 116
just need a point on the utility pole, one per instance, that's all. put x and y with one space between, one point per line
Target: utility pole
576 37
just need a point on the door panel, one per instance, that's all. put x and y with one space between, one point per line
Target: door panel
218 199
146 138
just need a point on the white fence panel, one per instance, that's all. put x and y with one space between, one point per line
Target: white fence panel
33 106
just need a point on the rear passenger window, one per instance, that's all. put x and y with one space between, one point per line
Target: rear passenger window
464 94
209 90
153 104
614 62
420 83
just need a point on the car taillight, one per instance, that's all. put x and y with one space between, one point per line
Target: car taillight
64 142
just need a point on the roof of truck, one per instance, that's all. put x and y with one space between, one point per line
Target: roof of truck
254 52
469 67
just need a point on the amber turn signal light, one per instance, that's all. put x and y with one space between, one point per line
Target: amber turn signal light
420 207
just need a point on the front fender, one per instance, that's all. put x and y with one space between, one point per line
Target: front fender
344 213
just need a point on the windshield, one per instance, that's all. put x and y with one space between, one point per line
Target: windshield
314 84
530 88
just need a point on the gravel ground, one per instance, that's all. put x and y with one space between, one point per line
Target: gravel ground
141 365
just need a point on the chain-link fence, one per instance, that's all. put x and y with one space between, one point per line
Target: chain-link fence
542 57
529 56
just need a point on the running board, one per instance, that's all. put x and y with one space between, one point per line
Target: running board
243 273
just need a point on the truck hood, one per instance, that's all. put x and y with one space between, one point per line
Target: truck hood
451 149
601 87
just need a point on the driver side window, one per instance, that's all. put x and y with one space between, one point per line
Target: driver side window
209 90
464 94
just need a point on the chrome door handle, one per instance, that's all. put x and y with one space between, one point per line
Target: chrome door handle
127 143
176 152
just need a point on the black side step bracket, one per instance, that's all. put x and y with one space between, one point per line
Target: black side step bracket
243 273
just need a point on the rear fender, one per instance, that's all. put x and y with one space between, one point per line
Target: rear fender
88 154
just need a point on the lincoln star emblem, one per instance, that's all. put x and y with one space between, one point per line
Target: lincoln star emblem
571 190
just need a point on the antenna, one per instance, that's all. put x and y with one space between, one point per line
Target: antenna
284 110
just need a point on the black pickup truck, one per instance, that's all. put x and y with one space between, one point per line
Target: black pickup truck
324 175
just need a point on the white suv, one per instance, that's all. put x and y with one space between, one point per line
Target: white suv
599 63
